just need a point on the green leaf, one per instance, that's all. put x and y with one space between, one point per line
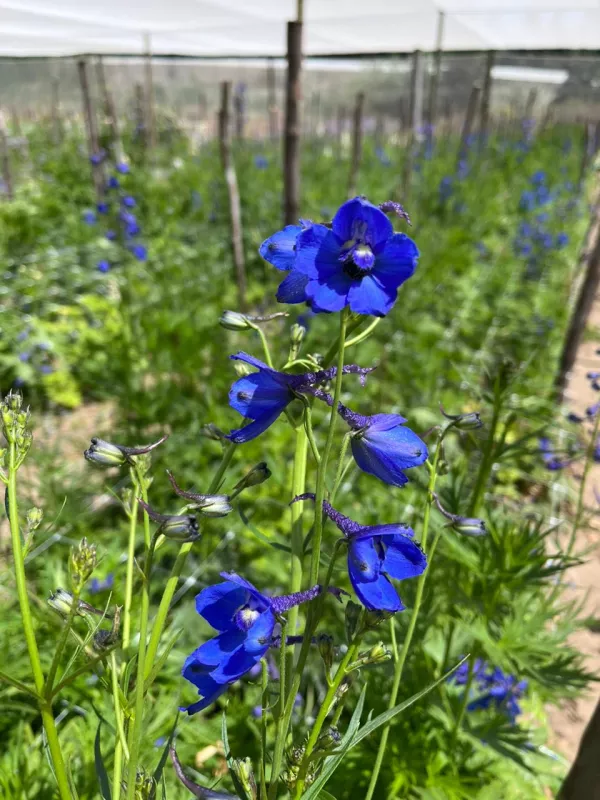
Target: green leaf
265 539
161 660
242 794
100 768
165 753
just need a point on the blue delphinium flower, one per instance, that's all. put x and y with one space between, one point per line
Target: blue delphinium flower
46 369
550 457
503 693
359 262
264 395
446 188
377 553
128 201
102 208
380 444
527 201
98 158
24 357
111 235
89 217
112 182
280 251
562 240
260 162
105 585
139 251
123 168
245 619
538 178
103 266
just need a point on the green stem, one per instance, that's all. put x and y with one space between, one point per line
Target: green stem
324 711
130 564
136 731
62 641
310 433
121 744
321 473
464 703
76 673
22 687
32 649
171 584
263 729
265 345
297 538
401 660
341 467
487 460
589 458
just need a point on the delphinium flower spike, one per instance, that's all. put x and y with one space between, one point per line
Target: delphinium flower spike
376 553
358 261
264 395
245 619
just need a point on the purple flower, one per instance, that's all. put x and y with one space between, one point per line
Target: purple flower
245 619
89 218
24 357
111 235
98 158
102 208
359 262
46 369
97 586
139 251
103 266
128 201
260 162
264 395
112 183
376 553
123 168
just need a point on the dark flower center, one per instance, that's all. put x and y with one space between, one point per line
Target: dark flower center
358 261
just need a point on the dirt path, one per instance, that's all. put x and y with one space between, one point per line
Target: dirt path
568 722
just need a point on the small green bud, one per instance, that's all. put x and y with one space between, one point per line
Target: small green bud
145 786
179 527
257 475
376 655
62 602
105 454
328 740
242 369
297 334
210 431
34 518
325 643
215 505
242 768
83 563
234 321
469 421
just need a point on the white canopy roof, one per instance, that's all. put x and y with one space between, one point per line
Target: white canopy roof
257 27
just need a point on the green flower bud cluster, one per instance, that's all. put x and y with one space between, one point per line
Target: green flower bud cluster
82 564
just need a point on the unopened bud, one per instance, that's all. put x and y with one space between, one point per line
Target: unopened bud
376 655
210 431
234 321
145 786
104 640
464 422
179 527
242 768
83 563
105 454
211 505
328 740
62 602
297 333
468 526
353 612
34 519
325 643
241 369
257 475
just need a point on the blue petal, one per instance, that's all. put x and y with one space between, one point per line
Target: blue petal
252 360
239 664
377 594
262 601
317 253
254 429
397 260
354 215
293 288
258 394
363 559
260 634
403 558
331 295
399 443
210 690
218 604
389 529
375 463
280 249
215 651
384 422
368 296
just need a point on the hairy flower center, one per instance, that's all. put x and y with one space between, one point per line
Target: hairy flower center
246 617
358 260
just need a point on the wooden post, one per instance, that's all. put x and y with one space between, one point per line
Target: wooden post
57 130
437 69
6 167
484 111
150 117
340 126
235 210
583 780
414 122
530 104
586 294
140 121
416 90
272 99
357 124
291 142
469 119
91 127
109 111
239 102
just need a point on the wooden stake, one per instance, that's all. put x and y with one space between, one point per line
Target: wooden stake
57 129
235 210
414 122
91 128
437 69
583 780
291 145
486 96
357 125
469 119
109 111
140 121
6 166
530 103
272 99
239 110
150 117
340 126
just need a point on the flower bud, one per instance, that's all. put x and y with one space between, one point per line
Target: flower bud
104 640
468 526
328 740
376 655
242 370
210 431
325 644
211 505
257 475
145 786
83 563
297 334
242 769
34 519
464 422
353 611
105 454
62 602
179 527
234 321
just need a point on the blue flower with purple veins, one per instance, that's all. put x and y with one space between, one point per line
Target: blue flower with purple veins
128 201
245 620
382 446
89 218
123 168
377 553
139 251
103 266
358 262
264 395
